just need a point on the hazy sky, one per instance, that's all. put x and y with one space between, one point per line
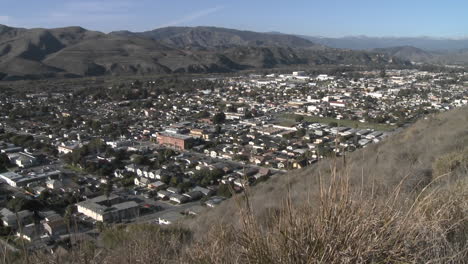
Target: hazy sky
447 18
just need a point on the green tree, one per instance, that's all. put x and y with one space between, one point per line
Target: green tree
4 162
185 186
20 203
95 125
383 73
324 151
175 181
68 215
5 231
224 190
44 195
219 118
299 118
202 114
108 190
300 133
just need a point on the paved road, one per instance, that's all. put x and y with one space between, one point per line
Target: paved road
169 208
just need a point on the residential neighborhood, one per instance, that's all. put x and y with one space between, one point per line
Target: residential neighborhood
73 161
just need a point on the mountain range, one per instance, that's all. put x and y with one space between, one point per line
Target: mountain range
77 52
214 37
417 49
365 42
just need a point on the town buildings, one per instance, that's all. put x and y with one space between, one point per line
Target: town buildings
108 209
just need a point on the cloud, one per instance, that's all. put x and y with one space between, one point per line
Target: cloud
192 16
4 19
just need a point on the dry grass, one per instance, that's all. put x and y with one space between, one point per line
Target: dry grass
142 243
347 227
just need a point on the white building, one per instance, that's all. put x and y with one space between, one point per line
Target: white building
109 210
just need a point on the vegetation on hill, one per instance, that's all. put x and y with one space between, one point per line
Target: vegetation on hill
215 37
75 52
400 201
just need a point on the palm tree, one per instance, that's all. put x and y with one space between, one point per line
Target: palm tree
108 190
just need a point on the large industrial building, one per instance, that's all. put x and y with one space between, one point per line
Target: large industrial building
177 141
112 209
17 180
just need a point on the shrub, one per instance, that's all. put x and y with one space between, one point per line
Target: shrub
450 162
346 228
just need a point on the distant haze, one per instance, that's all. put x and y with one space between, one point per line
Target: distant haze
364 42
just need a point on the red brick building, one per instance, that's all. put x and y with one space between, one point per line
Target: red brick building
177 141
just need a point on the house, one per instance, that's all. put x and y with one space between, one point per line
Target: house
258 160
214 201
195 210
55 227
66 148
54 184
11 219
241 182
37 190
155 174
204 191
374 134
22 160
263 172
178 198
142 171
30 232
49 215
119 143
164 194
11 149
247 172
337 104
299 164
119 173
174 190
170 218
157 185
131 168
194 195
143 182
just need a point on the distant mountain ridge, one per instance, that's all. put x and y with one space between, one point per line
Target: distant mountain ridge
408 53
215 37
365 42
416 49
459 57
75 51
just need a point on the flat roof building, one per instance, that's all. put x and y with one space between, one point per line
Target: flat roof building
113 209
177 141
17 180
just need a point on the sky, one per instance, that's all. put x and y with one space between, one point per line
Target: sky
329 18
